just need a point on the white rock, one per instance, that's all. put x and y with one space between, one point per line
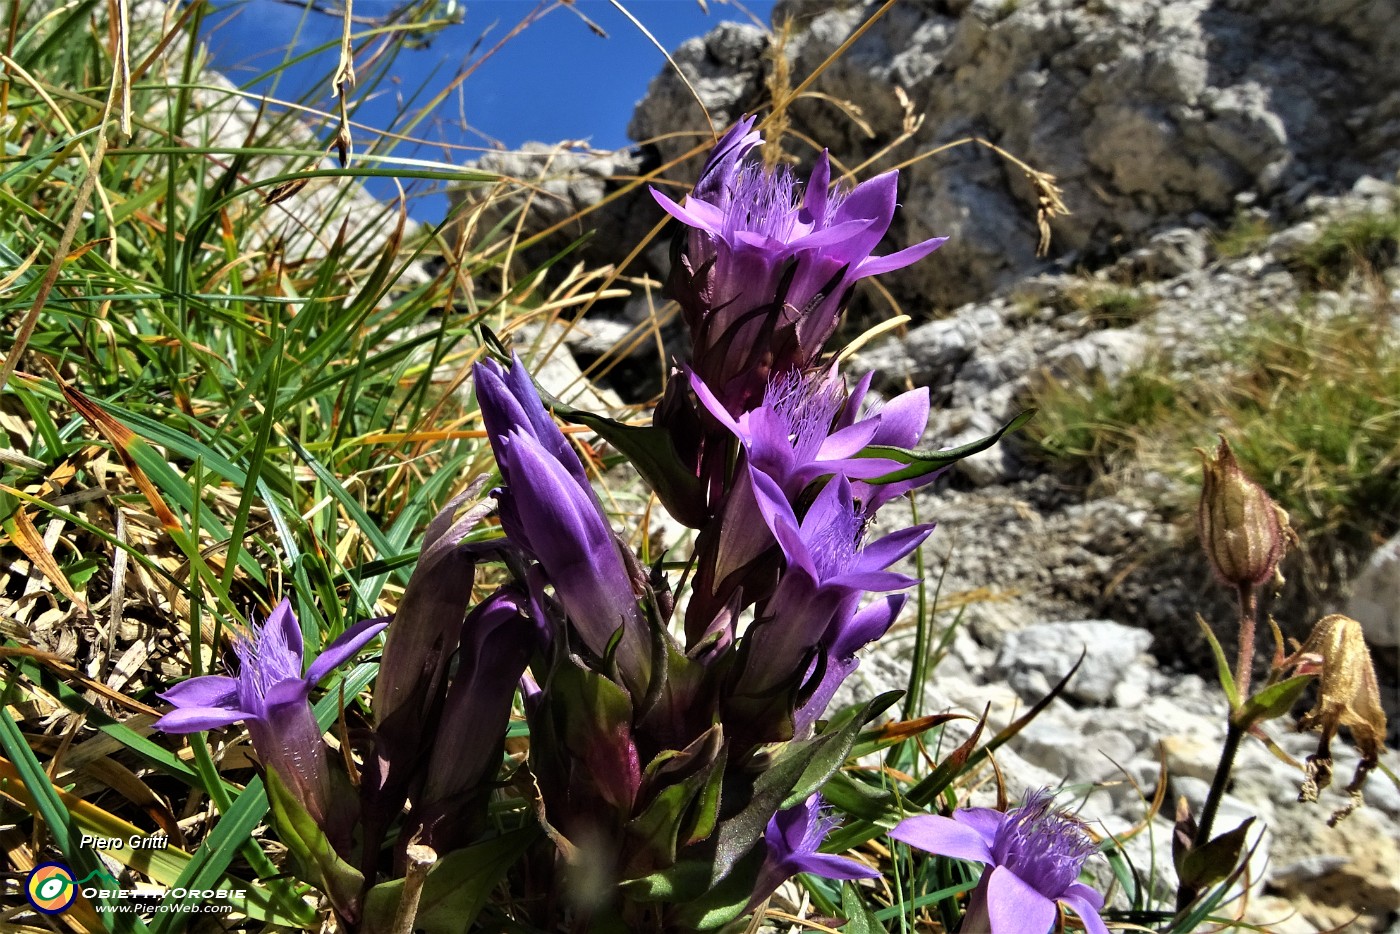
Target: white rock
1375 597
1044 653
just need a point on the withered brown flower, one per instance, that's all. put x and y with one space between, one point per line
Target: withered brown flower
1348 696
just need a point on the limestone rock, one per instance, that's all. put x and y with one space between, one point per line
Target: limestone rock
1037 657
1375 597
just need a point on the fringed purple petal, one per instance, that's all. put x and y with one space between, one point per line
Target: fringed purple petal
894 546
204 691
1087 911
903 419
871 207
868 624
281 634
829 866
817 195
693 213
878 265
197 719
986 821
851 410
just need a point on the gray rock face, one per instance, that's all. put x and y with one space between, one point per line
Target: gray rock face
1375 597
1147 112
1037 657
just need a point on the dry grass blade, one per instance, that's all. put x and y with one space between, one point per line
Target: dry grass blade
26 537
121 439
670 61
69 673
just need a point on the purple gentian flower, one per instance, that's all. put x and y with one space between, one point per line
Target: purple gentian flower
272 696
768 265
549 510
1034 855
791 843
828 570
807 428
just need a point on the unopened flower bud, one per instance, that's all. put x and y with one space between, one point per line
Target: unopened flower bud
1348 696
1243 532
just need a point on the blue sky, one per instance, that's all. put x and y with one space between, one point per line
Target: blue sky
557 80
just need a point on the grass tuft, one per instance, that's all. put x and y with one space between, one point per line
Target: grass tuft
1356 244
1311 405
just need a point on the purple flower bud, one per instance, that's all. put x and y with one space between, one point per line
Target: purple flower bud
1034 855
792 841
496 640
766 269
272 696
549 510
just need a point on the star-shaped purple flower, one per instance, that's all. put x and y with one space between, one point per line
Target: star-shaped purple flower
272 696
814 614
1034 854
792 841
767 266
807 428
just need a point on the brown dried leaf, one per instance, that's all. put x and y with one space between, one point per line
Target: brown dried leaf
28 540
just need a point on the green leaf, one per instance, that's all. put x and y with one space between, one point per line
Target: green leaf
1204 866
921 463
726 901
652 452
302 836
860 919
1273 701
683 882
456 889
1222 666
802 768
53 813
857 799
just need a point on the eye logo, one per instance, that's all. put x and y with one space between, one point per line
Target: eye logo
50 888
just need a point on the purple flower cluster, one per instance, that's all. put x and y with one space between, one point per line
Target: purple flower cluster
659 760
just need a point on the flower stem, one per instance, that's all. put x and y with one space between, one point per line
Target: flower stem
1233 734
1244 664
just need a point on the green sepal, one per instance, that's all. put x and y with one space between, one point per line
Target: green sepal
317 860
456 889
654 833
922 463
1272 702
1201 867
